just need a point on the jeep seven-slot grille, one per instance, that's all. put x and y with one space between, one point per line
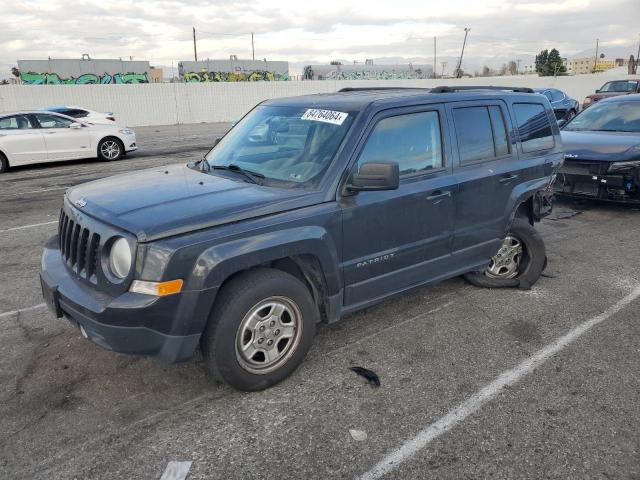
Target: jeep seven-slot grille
79 247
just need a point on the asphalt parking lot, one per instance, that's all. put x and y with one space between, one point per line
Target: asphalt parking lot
460 397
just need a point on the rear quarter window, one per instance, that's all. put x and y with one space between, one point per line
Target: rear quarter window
534 127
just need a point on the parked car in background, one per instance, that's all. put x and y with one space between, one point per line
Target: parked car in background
564 107
613 88
602 152
308 209
84 114
38 137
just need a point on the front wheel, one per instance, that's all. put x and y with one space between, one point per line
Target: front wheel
4 164
519 261
110 149
261 328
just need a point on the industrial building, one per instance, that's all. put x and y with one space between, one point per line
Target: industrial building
367 71
82 71
232 70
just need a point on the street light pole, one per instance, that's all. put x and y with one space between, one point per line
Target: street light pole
253 50
464 42
595 61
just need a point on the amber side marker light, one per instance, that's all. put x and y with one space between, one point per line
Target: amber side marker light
159 289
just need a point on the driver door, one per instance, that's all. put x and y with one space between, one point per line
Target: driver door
395 239
62 141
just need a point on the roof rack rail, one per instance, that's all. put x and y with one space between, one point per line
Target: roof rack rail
364 89
452 89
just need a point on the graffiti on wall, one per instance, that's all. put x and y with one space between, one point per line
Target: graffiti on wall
206 76
414 74
33 78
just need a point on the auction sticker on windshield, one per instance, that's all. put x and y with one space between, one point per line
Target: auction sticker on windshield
327 116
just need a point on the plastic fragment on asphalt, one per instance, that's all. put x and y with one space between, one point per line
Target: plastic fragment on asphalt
176 471
371 376
358 435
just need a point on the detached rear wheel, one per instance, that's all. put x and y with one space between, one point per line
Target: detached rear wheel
260 330
110 149
519 261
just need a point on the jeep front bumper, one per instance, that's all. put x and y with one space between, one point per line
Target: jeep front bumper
129 323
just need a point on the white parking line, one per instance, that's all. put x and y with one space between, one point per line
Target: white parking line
16 312
12 229
17 194
474 403
176 471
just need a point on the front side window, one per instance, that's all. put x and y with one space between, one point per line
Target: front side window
534 126
52 121
284 146
608 117
16 122
412 140
481 133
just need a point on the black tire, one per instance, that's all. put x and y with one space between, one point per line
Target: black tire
107 144
235 301
4 163
533 262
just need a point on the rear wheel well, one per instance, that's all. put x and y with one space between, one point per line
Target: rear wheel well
305 268
525 210
4 159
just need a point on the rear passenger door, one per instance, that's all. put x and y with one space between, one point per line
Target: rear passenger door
21 141
487 172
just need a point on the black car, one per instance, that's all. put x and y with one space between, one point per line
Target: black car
564 107
308 209
602 152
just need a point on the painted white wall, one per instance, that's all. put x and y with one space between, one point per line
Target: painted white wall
171 103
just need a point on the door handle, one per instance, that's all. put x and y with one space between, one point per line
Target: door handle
438 196
508 178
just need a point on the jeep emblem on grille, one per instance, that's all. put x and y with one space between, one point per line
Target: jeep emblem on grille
80 203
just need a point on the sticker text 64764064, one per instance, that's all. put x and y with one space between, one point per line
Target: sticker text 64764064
327 116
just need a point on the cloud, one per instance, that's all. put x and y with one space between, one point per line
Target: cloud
160 31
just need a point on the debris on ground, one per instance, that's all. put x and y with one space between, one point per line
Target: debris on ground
562 214
371 376
358 435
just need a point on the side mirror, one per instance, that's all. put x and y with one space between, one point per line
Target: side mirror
216 141
598 90
75 125
375 176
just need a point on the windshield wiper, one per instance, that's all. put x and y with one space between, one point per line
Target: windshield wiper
253 177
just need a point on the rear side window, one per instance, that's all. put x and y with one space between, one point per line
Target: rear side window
481 133
16 122
76 113
412 140
534 127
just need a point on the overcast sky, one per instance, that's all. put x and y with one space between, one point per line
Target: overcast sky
315 30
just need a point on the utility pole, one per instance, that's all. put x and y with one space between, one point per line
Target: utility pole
595 62
444 64
464 42
518 67
434 58
195 50
253 50
635 68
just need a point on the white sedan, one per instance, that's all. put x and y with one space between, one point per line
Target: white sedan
38 137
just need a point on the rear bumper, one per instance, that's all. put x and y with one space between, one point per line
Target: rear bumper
130 323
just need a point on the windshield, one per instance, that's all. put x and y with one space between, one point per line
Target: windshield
620 86
289 146
608 117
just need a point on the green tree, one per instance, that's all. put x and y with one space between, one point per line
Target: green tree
549 63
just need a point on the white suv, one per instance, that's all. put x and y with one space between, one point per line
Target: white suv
38 137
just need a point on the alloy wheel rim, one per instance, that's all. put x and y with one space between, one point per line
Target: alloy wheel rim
268 335
110 149
506 263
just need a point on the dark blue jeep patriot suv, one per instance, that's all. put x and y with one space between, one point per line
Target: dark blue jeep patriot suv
308 209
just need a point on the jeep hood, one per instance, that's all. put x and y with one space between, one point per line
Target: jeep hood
167 201
601 146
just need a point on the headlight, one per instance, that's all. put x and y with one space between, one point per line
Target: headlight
126 131
587 101
120 258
